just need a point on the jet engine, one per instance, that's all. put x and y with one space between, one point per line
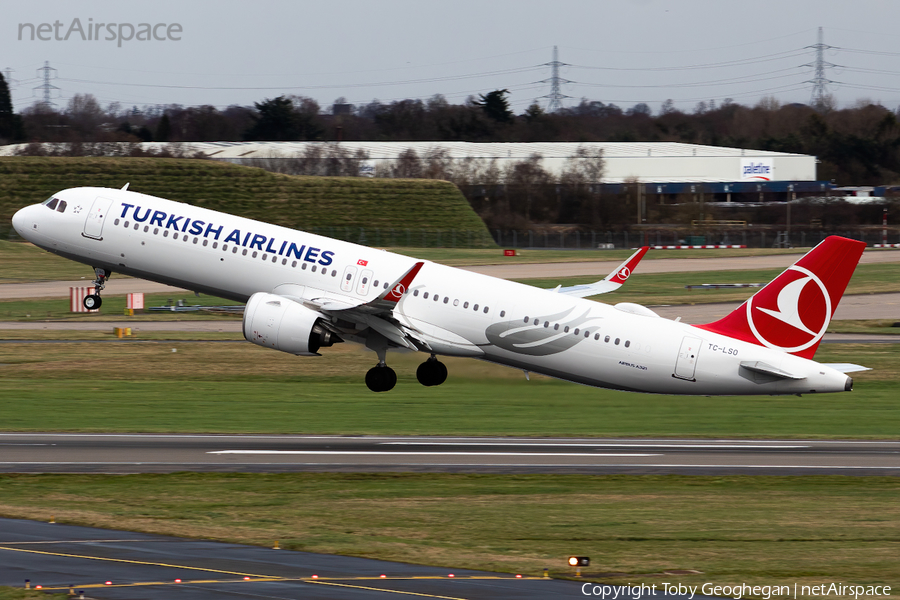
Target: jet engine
277 322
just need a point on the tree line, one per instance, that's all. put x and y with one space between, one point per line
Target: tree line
858 145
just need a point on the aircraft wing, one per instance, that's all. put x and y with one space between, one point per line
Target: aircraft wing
377 314
611 282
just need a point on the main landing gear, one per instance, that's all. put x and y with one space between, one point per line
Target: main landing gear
93 301
382 378
432 372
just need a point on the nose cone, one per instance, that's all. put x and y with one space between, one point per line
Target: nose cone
24 222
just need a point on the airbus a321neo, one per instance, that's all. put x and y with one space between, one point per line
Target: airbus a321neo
306 292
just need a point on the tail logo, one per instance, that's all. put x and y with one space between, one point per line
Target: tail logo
624 273
817 308
398 290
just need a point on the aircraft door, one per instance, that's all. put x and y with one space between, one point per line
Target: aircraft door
93 223
347 281
365 282
686 363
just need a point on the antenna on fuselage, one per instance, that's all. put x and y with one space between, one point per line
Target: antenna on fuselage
125 187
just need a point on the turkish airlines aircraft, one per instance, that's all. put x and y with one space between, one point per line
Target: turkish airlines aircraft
305 292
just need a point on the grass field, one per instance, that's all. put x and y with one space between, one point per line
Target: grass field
344 203
755 530
239 387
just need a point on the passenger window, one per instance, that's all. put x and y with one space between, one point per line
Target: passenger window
156 231
415 292
116 222
425 295
174 235
446 299
195 240
275 259
566 329
627 343
244 253
466 305
294 264
475 308
62 206
502 313
136 226
384 285
596 336
556 327
525 319
303 266
486 309
166 233
264 256
546 324
314 267
255 254
536 322
333 273
127 224
146 228
587 334
283 261
606 339
617 341
436 297
576 331
456 303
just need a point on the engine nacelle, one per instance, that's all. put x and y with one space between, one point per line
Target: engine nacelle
277 322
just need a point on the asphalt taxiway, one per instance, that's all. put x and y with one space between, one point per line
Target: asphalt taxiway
165 453
137 566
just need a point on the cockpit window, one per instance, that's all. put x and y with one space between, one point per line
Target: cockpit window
52 202
62 206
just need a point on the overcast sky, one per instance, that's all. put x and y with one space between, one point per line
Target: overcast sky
619 51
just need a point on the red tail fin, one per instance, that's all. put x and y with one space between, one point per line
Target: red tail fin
793 311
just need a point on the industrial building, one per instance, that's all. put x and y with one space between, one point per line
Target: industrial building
667 169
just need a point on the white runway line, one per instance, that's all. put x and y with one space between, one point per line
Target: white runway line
378 453
597 445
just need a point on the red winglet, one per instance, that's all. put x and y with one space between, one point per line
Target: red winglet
793 311
396 291
627 268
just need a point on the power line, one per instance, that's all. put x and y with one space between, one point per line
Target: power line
556 96
819 95
46 88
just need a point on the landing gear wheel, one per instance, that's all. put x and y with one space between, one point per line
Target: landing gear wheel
92 302
432 372
381 378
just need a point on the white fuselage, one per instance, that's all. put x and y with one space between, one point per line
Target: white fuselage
474 315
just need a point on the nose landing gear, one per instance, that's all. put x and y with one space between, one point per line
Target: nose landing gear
432 372
93 301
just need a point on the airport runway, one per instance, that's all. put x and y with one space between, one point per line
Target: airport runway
164 453
137 566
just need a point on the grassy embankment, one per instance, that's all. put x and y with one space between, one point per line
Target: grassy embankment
335 205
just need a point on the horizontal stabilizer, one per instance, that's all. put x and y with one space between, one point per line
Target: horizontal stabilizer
847 367
760 367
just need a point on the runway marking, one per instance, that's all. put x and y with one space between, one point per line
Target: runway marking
596 445
332 581
364 587
130 562
379 453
